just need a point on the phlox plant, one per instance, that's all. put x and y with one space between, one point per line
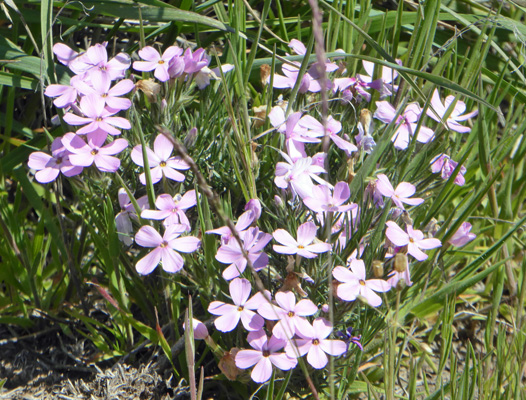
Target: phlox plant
285 234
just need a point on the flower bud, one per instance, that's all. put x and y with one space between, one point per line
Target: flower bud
400 262
190 138
378 269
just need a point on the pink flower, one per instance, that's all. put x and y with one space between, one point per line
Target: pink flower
399 195
166 248
290 315
354 284
253 243
295 135
445 165
172 209
323 201
241 310
462 236
456 114
333 128
97 117
155 61
160 161
304 246
49 166
388 77
264 356
84 154
107 94
413 239
200 329
406 123
94 64
298 174
123 221
196 61
245 220
316 345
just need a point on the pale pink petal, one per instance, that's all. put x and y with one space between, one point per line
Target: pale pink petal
171 260
247 358
396 235
305 307
228 321
148 237
252 321
107 163
306 233
262 371
428 244
286 300
186 244
349 291
358 268
163 147
344 275
316 357
370 296
416 252
240 291
283 361
285 238
333 347
378 285
47 175
149 262
148 53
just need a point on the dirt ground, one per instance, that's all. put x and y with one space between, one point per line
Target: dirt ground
51 365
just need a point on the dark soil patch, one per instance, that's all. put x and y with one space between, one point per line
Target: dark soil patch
48 364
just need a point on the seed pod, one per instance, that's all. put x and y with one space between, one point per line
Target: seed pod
378 269
400 262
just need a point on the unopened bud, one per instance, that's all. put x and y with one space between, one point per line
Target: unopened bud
378 269
400 262
325 308
190 138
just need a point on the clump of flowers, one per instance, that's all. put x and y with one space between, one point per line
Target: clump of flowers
312 223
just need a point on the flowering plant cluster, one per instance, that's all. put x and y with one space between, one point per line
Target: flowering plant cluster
327 247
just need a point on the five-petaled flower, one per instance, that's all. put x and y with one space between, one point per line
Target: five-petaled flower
265 355
160 161
166 248
456 114
242 309
304 246
354 284
316 345
413 239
